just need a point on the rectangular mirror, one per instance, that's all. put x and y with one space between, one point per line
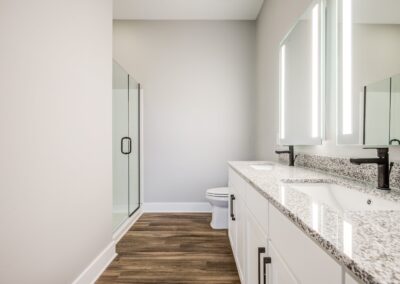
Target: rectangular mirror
368 50
302 79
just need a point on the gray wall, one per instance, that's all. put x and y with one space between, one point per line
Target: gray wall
199 86
55 146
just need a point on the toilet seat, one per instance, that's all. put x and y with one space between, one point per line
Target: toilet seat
218 192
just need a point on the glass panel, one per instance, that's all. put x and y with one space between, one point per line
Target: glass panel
134 124
377 107
120 130
395 112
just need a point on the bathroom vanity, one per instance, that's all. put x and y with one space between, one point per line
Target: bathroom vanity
295 225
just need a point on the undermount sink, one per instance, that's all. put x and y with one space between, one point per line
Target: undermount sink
263 167
342 198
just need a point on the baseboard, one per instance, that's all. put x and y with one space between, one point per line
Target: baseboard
157 207
124 228
101 262
97 266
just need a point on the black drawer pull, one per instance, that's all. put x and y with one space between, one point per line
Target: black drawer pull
232 214
260 251
265 262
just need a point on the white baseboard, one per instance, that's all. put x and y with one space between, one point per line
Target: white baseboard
97 266
158 207
124 228
101 262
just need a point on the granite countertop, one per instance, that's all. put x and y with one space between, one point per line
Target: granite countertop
366 242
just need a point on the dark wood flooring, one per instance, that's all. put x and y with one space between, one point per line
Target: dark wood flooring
173 248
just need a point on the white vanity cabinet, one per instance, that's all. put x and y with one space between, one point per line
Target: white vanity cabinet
258 231
348 279
306 260
256 250
237 222
278 271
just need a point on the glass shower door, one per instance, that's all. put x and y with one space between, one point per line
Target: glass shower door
134 134
126 145
120 131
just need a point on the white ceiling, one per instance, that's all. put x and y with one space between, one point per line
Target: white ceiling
186 9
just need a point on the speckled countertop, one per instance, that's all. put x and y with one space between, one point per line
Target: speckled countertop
367 242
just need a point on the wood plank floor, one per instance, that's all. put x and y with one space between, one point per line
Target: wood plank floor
173 248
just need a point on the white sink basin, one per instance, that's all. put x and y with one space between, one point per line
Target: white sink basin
263 167
341 198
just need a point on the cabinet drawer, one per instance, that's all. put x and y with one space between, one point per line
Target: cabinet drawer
258 206
237 182
348 279
309 263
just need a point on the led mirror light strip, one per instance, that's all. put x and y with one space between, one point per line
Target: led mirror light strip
315 71
283 82
347 103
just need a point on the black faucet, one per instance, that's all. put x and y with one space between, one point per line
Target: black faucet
291 155
383 166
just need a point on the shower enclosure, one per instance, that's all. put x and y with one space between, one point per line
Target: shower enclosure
126 145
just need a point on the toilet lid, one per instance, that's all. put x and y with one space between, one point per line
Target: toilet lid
219 191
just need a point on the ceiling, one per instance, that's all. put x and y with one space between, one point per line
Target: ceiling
186 9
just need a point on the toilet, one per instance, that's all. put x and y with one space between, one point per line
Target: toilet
218 198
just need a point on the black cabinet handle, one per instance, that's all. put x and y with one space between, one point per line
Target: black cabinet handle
266 260
260 251
122 145
232 214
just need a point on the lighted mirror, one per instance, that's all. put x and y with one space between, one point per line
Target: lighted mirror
302 79
368 51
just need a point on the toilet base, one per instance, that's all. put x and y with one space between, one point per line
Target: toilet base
219 218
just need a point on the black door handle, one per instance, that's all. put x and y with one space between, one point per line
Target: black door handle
266 260
232 214
260 251
122 145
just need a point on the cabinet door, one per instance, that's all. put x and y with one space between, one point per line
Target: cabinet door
348 279
232 224
256 250
240 215
300 253
277 271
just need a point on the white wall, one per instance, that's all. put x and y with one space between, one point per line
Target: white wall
274 22
55 138
199 82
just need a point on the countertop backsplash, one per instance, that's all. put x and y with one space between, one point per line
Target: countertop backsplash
343 168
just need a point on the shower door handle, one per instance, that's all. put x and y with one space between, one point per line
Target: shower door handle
129 145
